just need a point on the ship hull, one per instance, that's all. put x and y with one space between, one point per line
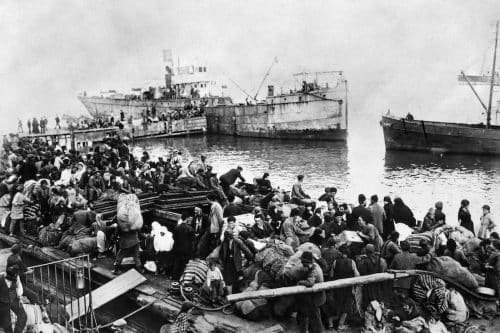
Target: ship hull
102 107
294 116
441 137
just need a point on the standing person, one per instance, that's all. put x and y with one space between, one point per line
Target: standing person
487 223
34 126
372 263
183 245
19 126
342 268
390 247
11 289
17 211
389 217
298 195
128 241
122 116
308 305
361 211
200 225
216 220
28 123
231 258
464 217
439 215
57 122
378 214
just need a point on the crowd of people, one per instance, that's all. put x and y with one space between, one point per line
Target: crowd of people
49 193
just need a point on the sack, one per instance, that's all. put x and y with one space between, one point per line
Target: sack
461 235
272 259
450 268
83 245
457 310
414 240
128 212
310 247
163 243
49 236
253 309
195 272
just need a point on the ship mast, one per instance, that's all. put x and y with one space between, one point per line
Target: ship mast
488 115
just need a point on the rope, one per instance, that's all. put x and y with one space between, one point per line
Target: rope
202 307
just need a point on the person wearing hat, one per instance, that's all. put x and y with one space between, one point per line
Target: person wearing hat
11 289
230 255
228 179
308 305
371 263
341 299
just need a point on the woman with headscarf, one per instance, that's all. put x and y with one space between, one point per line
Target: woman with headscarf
389 217
464 217
403 214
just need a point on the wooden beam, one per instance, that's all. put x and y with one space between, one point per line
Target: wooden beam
341 283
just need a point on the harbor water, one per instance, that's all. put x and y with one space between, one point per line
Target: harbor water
358 166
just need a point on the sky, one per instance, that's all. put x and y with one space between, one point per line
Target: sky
399 55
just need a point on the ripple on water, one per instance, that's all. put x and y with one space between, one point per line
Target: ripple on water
420 179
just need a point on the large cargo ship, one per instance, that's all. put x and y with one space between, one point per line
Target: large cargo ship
408 133
317 111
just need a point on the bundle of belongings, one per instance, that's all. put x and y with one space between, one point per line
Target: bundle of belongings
37 319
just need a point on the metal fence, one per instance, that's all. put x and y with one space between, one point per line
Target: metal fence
61 286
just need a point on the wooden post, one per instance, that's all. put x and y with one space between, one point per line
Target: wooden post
341 283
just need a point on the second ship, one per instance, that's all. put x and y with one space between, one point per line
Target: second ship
317 110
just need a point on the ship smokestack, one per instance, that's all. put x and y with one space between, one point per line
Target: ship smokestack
270 91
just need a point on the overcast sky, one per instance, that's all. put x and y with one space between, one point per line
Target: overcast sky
402 55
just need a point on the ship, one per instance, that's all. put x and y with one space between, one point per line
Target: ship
316 111
407 133
189 87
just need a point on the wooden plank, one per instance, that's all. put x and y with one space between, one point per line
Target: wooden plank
106 293
341 283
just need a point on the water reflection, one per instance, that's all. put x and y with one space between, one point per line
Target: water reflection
420 178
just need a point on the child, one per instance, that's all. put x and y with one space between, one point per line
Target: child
215 282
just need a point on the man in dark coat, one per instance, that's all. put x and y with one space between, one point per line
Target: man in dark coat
230 255
183 244
308 305
230 177
361 210
11 290
200 225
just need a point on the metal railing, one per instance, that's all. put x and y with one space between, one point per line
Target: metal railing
58 284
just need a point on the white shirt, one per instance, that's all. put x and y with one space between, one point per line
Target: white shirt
19 286
214 275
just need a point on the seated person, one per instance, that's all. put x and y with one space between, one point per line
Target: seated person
261 229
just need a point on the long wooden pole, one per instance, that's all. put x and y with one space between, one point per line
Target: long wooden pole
488 115
341 283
